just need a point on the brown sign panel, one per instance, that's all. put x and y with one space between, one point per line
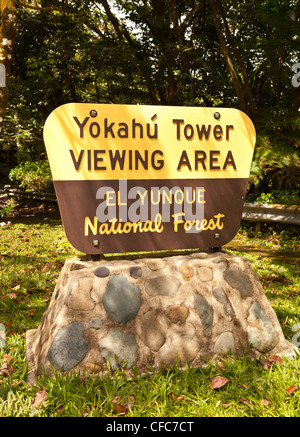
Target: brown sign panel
142 178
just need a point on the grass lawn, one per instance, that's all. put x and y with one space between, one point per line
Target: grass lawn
32 253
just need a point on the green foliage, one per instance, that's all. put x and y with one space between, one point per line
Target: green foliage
8 208
161 52
276 163
282 197
33 176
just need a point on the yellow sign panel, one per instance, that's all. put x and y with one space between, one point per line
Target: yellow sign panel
110 142
136 178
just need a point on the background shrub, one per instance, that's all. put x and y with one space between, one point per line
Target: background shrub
33 176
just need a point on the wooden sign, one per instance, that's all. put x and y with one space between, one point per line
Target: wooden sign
141 178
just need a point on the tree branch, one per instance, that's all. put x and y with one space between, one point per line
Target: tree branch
190 16
55 6
238 57
227 57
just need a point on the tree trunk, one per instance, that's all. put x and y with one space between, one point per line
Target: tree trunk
7 41
238 58
227 57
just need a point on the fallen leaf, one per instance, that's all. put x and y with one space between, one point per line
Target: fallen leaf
219 364
218 381
244 401
275 359
7 368
121 409
46 300
17 287
272 359
291 389
39 398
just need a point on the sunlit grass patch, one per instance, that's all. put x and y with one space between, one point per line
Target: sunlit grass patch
32 256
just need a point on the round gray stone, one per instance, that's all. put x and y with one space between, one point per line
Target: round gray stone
68 348
119 348
238 279
121 300
181 350
153 333
261 332
162 286
224 343
102 272
205 274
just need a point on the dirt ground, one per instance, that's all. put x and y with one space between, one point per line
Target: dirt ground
28 210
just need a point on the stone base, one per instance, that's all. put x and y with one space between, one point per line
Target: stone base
147 312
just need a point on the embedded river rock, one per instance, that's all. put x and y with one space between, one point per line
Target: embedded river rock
178 309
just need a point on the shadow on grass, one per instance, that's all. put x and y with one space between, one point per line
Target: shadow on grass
34 212
280 255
